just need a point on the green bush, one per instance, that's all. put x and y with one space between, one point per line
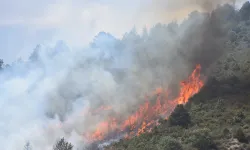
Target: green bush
63 145
239 134
226 133
179 117
202 140
168 143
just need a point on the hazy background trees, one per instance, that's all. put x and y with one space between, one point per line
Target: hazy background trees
62 144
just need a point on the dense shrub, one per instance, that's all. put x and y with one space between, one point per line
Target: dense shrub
238 117
179 117
168 143
239 134
226 133
202 140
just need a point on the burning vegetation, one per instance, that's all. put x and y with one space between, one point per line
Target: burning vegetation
218 42
148 114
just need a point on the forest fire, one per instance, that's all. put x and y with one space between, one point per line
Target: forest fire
147 116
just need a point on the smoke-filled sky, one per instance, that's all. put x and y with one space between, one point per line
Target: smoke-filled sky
26 23
59 81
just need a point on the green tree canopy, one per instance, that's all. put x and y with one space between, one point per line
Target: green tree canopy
179 117
63 145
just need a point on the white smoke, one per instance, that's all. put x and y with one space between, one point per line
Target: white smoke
43 99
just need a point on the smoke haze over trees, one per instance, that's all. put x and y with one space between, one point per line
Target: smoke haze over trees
45 97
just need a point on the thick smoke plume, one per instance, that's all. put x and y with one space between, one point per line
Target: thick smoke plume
47 97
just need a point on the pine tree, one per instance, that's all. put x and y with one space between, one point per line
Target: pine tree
27 146
63 145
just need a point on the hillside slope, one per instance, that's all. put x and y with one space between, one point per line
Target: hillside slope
218 117
219 120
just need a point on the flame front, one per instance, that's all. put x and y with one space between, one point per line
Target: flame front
147 115
191 86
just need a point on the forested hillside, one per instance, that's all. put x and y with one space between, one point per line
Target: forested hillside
176 86
218 116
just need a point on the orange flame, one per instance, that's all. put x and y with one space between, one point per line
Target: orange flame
191 86
147 115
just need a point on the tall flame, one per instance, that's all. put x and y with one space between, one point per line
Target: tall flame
147 115
191 86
